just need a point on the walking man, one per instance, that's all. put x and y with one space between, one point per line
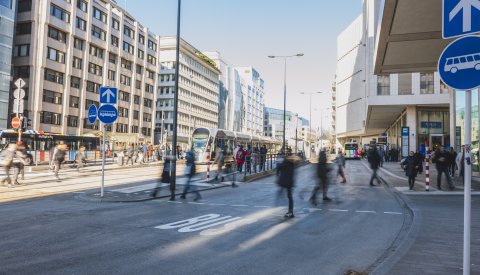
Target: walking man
286 180
322 172
219 160
59 158
263 157
411 164
8 157
130 154
442 161
340 160
190 172
452 158
240 158
373 158
80 157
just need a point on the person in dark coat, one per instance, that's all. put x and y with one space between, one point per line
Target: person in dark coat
442 161
373 158
165 178
322 171
453 164
411 164
286 180
190 172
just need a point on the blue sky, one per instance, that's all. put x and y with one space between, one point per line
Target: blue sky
247 31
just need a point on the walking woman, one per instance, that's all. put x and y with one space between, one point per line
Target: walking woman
286 175
411 164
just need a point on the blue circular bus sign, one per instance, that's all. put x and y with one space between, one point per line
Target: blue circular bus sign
107 114
459 64
92 114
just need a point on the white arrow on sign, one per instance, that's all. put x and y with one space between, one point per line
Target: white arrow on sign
109 94
20 83
466 7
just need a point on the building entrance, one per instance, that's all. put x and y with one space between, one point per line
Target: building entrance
436 140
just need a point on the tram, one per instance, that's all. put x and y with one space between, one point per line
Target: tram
205 142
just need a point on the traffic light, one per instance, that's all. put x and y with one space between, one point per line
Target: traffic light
26 122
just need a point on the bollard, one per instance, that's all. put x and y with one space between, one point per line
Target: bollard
208 171
427 170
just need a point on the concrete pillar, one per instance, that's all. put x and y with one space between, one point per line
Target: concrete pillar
412 124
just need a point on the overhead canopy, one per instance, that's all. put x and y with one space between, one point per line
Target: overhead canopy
410 36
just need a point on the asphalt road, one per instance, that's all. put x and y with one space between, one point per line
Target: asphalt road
230 231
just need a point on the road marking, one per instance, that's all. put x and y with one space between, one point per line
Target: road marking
365 211
191 202
217 204
174 201
338 210
393 213
239 205
261 206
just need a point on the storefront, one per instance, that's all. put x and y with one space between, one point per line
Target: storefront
433 128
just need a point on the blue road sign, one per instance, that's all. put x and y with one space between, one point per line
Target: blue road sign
107 114
92 113
108 95
459 64
460 17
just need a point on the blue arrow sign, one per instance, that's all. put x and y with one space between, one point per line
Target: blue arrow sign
459 64
92 114
108 95
460 17
107 114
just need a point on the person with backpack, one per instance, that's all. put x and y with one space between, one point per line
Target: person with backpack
286 181
240 158
190 172
373 158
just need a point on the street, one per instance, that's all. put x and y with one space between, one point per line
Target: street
226 232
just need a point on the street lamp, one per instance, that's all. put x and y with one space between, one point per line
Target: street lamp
321 125
310 130
285 57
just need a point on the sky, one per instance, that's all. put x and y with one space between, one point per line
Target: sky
245 32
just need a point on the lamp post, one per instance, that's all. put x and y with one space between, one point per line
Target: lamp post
285 57
310 128
321 125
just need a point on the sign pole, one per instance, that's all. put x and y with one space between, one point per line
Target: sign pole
467 212
103 159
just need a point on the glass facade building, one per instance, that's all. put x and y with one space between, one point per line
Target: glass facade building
7 19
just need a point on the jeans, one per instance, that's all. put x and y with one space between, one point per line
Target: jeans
58 165
440 171
324 185
239 167
374 176
188 186
290 199
411 182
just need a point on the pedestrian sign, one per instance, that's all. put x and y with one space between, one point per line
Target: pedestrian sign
459 64
107 114
460 17
92 114
108 95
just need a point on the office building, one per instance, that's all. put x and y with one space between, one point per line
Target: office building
7 19
254 98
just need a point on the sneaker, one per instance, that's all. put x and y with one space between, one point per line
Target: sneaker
343 181
371 184
289 215
327 199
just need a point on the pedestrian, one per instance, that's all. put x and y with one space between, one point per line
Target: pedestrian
374 160
248 159
120 155
130 154
460 162
59 158
382 156
150 152
80 157
190 172
340 161
240 158
51 153
219 161
322 172
452 158
411 165
420 159
263 157
286 181
20 161
8 157
255 159
442 161
165 177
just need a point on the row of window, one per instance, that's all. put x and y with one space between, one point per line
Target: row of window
427 84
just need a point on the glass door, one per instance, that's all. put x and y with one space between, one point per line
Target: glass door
435 141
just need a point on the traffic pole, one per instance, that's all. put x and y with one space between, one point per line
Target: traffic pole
208 171
467 210
427 169
103 159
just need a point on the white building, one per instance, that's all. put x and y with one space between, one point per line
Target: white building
254 98
369 105
67 50
198 92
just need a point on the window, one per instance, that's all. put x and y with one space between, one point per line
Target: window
82 5
57 34
59 13
95 51
22 50
150 74
138 84
128 32
114 40
78 43
125 80
147 117
21 71
121 128
124 96
6 3
139 69
55 55
54 76
95 69
383 85
444 89
89 102
147 102
99 33
72 121
141 54
52 97
404 84
100 15
148 88
126 64
88 125
74 102
93 87
134 129
50 118
23 28
136 99
426 83
146 131
151 59
81 24
77 63
152 45
122 112
24 5
75 82
111 75
141 39
128 48
115 24
136 114
112 58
